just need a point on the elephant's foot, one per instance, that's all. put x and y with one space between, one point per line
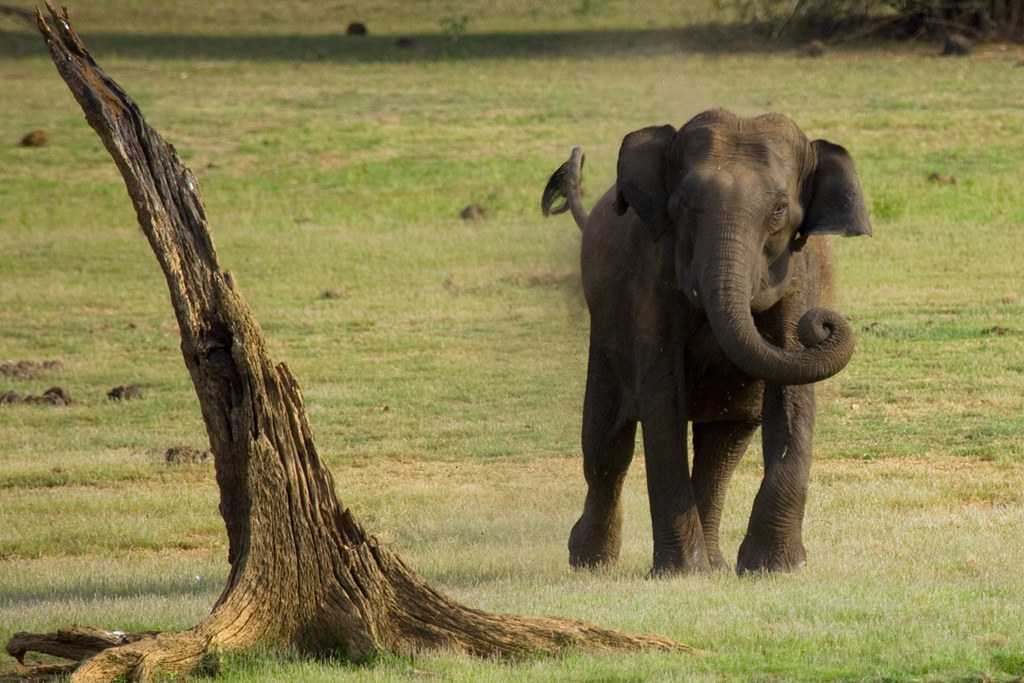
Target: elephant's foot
680 563
717 562
681 551
761 555
715 559
595 539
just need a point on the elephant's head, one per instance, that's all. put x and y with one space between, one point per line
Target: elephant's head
739 197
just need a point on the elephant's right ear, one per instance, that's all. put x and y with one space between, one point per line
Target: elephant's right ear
642 176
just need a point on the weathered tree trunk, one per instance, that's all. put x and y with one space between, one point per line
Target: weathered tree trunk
303 573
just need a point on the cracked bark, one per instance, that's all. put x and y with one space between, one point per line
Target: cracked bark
303 574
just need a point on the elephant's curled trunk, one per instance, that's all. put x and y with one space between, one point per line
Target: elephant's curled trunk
827 338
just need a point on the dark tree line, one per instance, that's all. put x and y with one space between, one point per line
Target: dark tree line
994 18
991 19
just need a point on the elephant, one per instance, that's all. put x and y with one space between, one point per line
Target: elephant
705 268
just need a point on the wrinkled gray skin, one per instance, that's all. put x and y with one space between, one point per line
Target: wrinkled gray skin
704 268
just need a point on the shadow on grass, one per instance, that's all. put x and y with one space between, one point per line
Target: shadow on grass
703 38
89 589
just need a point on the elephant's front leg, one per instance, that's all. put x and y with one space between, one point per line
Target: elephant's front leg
774 540
717 449
679 545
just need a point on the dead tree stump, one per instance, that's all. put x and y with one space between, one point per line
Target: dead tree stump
303 573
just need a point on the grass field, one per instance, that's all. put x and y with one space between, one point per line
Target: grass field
444 382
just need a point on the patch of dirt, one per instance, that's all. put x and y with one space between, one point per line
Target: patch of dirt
185 455
367 473
334 293
543 280
957 45
125 392
35 138
29 369
54 396
815 48
473 212
933 468
356 28
941 179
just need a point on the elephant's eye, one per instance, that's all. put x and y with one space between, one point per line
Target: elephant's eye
778 213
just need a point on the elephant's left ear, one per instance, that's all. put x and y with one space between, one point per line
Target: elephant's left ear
836 204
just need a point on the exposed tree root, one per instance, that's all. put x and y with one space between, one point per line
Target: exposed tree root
37 673
77 642
303 573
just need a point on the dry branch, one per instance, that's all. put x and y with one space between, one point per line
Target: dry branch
303 573
77 642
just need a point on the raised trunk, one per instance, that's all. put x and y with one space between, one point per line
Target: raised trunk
303 574
826 337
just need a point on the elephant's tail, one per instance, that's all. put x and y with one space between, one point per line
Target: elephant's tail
565 184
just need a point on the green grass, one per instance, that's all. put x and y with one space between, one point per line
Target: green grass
444 386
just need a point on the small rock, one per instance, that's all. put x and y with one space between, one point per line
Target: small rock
941 179
29 369
356 28
36 138
185 455
10 397
957 45
332 294
473 212
125 392
57 396
405 41
815 48
54 396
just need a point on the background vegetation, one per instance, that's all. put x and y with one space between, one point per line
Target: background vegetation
444 378
902 18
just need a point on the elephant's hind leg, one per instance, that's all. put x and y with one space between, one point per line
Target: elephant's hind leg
718 448
608 443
